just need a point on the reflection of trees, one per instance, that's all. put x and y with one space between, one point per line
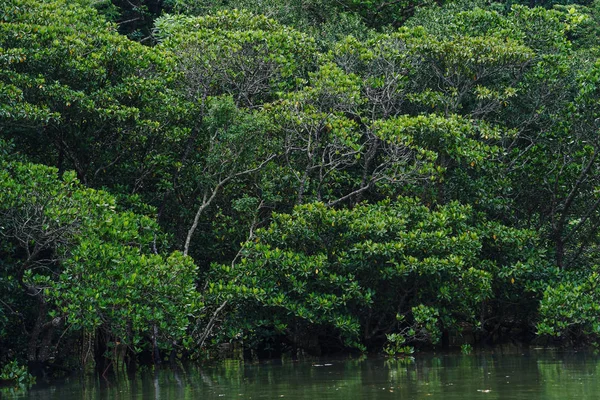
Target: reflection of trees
571 376
548 375
459 376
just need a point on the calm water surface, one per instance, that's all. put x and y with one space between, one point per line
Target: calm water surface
531 374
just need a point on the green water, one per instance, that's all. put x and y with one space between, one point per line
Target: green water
530 374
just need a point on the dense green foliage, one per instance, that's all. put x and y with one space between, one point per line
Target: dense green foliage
361 273
71 261
317 175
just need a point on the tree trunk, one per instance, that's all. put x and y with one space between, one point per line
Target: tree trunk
32 354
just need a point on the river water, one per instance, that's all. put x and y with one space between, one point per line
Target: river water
527 374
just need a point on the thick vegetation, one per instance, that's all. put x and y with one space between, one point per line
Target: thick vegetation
333 175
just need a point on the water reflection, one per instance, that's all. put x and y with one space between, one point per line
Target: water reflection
530 374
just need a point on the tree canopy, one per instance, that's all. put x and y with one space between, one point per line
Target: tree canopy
311 176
